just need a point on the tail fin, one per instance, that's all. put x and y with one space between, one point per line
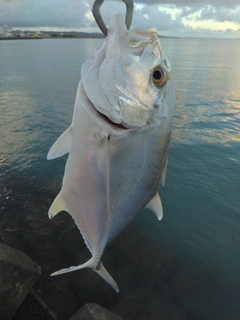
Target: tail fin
100 270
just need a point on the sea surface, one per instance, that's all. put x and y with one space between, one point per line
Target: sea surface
185 267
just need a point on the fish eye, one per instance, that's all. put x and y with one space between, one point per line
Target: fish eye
159 76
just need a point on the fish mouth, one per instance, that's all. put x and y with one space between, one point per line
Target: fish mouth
104 118
107 120
113 124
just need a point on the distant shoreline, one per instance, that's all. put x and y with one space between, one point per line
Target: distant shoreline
22 38
65 37
40 38
102 37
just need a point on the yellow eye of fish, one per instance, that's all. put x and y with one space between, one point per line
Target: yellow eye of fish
159 77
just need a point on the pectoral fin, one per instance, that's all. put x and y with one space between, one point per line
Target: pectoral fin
62 145
155 205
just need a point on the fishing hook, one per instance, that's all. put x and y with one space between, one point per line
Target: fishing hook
96 13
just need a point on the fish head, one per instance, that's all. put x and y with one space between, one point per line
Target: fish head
128 80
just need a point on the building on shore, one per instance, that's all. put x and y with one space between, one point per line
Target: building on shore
4 31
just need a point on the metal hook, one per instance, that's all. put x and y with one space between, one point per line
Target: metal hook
96 13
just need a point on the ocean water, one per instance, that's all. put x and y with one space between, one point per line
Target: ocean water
184 267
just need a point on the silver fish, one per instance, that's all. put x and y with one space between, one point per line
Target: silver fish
118 140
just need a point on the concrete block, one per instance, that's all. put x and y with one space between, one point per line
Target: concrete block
18 273
33 308
92 311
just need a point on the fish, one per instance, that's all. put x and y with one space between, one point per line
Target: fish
118 140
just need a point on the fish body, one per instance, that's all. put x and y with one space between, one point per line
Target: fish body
118 140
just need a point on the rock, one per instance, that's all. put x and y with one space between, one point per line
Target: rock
33 308
1 236
201 295
92 311
18 274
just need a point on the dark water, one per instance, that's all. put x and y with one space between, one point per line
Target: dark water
185 267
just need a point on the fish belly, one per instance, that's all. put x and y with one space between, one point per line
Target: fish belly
110 177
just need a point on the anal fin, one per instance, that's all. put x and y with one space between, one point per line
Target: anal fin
155 205
58 205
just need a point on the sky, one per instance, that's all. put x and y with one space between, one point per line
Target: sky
175 18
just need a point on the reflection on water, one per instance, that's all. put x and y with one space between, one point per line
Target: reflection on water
214 122
197 242
207 90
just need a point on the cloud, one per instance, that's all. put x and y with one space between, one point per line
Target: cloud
155 17
193 3
146 17
44 13
171 17
12 1
220 15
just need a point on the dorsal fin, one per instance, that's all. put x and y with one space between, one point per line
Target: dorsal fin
62 145
58 205
155 205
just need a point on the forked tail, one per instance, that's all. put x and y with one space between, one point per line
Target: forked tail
99 269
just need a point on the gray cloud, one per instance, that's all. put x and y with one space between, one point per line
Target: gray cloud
221 15
32 13
76 14
146 18
193 3
12 1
